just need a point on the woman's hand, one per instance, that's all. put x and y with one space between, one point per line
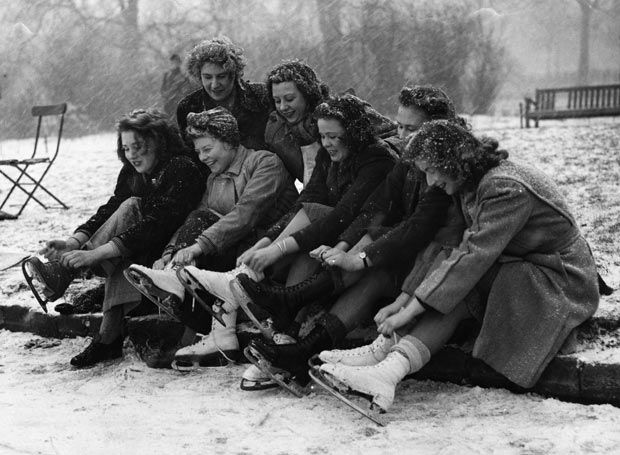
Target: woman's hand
247 254
262 258
346 261
404 316
80 258
55 248
392 308
187 255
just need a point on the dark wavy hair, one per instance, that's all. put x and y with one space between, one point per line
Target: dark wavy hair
433 101
217 122
351 113
220 51
153 124
307 82
454 150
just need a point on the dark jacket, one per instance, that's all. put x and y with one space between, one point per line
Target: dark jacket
402 216
343 186
251 109
167 196
546 283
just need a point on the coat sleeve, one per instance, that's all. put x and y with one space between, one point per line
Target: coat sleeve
503 207
371 171
414 233
268 176
314 191
378 205
122 191
178 191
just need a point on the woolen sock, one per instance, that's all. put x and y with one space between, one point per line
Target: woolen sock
414 350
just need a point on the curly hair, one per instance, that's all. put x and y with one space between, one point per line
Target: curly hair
307 82
220 51
153 124
433 101
454 151
351 113
217 122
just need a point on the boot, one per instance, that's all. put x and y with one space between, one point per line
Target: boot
367 355
54 277
294 357
97 352
217 348
164 280
218 283
283 303
253 378
378 381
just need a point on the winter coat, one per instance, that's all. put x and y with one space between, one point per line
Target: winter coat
252 194
545 283
402 216
251 109
343 185
296 145
167 195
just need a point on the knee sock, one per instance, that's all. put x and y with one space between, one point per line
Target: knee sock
414 350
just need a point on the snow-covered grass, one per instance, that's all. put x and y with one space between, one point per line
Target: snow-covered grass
124 407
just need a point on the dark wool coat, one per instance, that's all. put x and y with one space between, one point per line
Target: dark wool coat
344 186
296 145
167 196
545 283
251 109
402 216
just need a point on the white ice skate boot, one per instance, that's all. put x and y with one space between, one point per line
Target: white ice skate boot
253 378
368 355
218 283
166 280
378 381
160 286
217 348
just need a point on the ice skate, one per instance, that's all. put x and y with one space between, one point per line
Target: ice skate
218 283
243 299
339 390
218 348
50 279
187 277
159 286
377 382
254 379
367 355
281 377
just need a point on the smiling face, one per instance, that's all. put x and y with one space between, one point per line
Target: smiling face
332 137
214 153
435 177
409 119
290 102
217 82
139 152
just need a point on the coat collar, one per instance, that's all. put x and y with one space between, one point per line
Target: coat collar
237 163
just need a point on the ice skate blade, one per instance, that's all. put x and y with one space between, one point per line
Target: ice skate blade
315 361
319 378
143 283
193 286
255 386
243 299
30 272
278 376
216 359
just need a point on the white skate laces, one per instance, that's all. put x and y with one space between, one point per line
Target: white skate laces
367 355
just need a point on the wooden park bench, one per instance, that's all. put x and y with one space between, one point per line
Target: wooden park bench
571 102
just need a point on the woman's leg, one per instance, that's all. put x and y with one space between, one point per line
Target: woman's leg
299 221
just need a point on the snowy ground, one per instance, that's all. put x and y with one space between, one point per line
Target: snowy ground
124 407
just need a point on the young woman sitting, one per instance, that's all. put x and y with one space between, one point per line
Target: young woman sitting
158 185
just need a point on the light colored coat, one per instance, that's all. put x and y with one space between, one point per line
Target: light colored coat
546 284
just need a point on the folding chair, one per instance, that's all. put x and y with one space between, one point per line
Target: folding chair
25 178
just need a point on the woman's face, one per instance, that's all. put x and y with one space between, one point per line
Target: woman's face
217 82
435 177
409 119
332 138
140 152
214 153
289 101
